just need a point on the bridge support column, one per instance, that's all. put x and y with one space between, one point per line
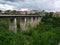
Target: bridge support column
23 23
39 19
31 21
13 25
35 22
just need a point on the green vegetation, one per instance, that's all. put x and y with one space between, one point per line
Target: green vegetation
46 33
14 12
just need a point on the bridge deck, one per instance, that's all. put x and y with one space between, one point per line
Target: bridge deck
16 16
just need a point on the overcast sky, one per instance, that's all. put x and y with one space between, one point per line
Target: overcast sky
48 5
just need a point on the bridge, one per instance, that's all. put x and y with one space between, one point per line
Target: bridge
25 21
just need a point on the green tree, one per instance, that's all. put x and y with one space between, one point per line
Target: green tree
14 12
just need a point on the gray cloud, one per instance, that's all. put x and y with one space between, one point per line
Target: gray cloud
14 0
48 5
11 0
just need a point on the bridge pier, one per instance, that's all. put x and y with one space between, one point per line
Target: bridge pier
39 19
23 23
33 21
29 21
13 25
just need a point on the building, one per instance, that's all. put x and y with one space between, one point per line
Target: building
27 11
22 11
8 12
56 14
33 11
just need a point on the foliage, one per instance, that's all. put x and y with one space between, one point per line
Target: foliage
14 12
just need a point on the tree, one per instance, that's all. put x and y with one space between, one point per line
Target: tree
7 12
14 12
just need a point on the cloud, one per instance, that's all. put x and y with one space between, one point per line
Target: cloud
14 0
48 5
6 7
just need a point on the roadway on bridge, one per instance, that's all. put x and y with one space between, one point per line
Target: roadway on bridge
16 16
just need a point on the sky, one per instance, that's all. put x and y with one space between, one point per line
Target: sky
47 5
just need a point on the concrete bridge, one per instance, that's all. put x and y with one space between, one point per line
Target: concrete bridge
25 21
